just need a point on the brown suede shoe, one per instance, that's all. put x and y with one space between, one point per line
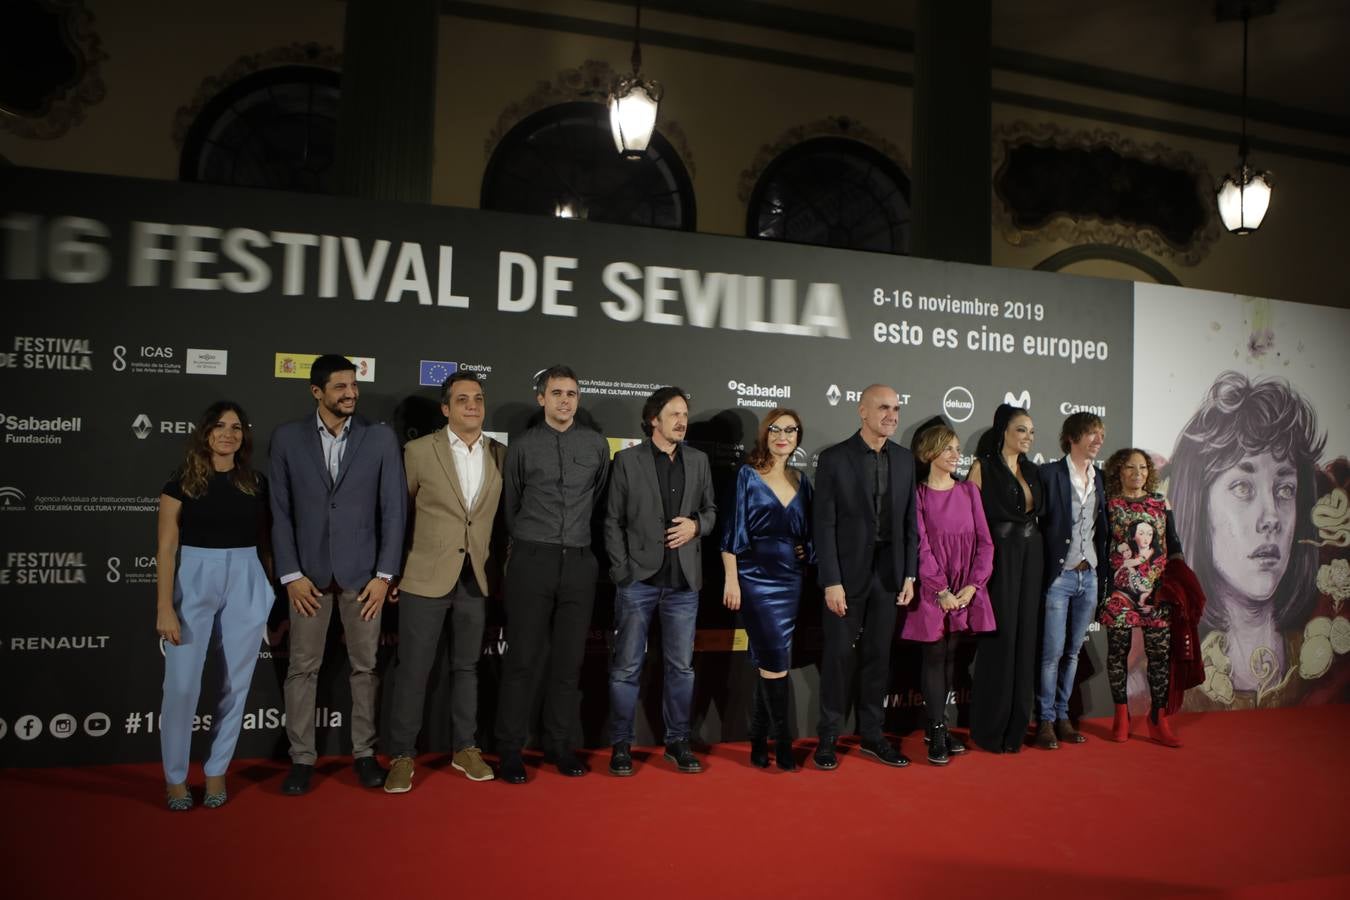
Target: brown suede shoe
470 762
399 779
1045 736
1065 731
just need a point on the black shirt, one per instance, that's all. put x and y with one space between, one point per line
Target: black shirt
222 517
878 469
670 478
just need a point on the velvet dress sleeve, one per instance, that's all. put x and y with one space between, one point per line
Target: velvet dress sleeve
735 534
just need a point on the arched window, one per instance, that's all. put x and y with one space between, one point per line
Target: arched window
834 192
273 129
564 157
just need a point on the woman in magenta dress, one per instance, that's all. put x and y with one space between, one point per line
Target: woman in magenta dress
956 558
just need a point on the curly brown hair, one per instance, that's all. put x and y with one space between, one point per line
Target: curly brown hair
1111 471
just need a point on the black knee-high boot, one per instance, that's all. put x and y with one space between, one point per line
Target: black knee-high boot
759 725
776 691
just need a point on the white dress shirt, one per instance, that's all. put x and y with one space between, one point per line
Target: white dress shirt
468 465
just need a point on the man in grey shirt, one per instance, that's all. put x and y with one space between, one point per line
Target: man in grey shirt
555 472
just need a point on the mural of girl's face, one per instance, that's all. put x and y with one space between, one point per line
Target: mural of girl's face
1251 523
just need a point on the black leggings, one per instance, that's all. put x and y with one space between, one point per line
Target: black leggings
939 664
1158 649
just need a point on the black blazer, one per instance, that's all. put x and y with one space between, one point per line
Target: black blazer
1057 520
845 524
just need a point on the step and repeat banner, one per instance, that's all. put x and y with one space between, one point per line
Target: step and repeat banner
130 306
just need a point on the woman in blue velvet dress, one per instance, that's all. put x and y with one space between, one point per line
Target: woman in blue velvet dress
766 541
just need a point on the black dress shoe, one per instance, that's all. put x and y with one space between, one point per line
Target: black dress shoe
954 745
936 738
369 772
621 760
512 768
568 764
679 755
825 757
759 752
297 780
883 752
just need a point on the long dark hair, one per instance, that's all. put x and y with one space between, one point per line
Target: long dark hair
991 442
195 474
1240 418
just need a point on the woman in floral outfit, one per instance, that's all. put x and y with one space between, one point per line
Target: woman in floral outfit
1141 528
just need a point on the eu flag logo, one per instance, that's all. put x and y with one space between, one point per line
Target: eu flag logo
433 372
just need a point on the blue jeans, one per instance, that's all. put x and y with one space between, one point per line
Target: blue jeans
1070 602
633 608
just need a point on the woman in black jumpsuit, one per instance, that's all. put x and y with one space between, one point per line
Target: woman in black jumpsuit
1002 690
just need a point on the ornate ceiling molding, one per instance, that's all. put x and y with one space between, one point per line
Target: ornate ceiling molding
65 107
588 82
830 126
294 54
1092 229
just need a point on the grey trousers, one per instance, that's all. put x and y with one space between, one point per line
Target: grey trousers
309 634
421 621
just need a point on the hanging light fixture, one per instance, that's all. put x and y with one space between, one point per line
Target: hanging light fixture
633 102
1244 195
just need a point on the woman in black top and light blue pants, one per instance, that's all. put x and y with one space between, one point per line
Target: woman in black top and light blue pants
212 590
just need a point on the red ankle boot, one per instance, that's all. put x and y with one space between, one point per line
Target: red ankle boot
1120 727
1160 730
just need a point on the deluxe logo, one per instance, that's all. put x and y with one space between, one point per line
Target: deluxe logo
44 567
297 365
12 499
765 396
32 430
958 404
51 354
143 426
60 642
1067 408
1022 400
206 362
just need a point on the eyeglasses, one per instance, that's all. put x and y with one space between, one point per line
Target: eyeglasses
791 429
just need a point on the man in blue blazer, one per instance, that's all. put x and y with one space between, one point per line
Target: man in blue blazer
867 545
339 507
1075 530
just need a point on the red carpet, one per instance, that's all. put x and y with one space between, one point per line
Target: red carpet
1255 805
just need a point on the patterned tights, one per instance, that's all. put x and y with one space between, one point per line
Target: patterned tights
1158 649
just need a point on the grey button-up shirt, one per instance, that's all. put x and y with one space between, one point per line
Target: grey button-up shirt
333 447
552 482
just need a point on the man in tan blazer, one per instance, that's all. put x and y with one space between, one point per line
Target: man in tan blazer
455 488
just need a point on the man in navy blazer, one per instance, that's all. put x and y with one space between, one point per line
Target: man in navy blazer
867 546
339 507
1075 531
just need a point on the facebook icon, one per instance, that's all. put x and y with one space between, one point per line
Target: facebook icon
27 727
433 372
